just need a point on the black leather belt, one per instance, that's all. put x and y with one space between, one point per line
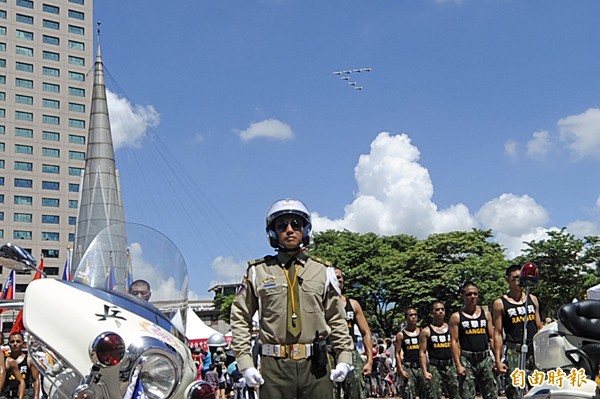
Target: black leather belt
475 355
411 365
440 362
517 346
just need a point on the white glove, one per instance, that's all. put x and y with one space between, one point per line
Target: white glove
340 372
253 377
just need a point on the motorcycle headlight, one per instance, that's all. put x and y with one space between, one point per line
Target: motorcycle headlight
158 375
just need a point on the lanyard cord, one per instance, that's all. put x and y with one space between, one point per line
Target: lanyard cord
291 285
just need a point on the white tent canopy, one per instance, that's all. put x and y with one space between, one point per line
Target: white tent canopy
594 292
196 329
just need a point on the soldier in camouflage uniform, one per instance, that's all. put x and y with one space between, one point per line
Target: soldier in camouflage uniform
471 333
297 298
407 357
354 385
510 311
435 344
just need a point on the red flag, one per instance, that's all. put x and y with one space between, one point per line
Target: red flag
8 292
18 325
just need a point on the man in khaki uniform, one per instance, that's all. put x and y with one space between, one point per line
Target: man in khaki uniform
298 303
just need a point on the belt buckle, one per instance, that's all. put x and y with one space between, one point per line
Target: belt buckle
297 351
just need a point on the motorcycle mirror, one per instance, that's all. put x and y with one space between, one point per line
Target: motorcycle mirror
530 275
15 257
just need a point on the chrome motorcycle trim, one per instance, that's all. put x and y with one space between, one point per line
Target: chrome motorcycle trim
94 349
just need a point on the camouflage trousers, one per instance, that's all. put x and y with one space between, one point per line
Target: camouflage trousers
415 385
479 373
512 357
354 384
443 377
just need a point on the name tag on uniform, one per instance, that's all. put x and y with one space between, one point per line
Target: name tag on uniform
269 282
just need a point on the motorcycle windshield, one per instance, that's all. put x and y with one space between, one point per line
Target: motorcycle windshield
128 255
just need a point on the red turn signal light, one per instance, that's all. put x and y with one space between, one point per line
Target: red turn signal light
530 274
200 390
108 349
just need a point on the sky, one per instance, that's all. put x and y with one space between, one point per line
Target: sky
475 114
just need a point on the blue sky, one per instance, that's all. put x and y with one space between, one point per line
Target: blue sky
477 113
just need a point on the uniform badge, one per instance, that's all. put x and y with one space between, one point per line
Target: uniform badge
269 282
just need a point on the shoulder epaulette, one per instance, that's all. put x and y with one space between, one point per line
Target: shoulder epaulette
261 260
321 260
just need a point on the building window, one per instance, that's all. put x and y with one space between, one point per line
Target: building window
21 99
2 97
3 47
72 220
54 72
2 79
2 113
73 204
23 183
25 166
26 19
1 180
23 217
22 235
24 83
54 169
51 202
55 41
2 63
2 14
50 55
50 236
76 60
22 132
50 185
51 120
51 219
2 147
2 129
51 136
50 9
50 253
76 15
71 237
82 2
51 24
49 87
1 216
77 155
25 3
75 139
23 200
73 188
75 107
3 30
74 91
77 123
23 149
75 171
51 152
23 67
75 45
22 34
24 116
50 103
77 76
26 51
77 30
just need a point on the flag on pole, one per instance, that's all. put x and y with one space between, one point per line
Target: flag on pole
40 273
111 279
67 270
18 325
135 390
129 277
8 292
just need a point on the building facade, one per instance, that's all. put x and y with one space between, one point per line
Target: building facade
46 78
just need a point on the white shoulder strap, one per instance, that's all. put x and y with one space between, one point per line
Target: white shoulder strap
332 280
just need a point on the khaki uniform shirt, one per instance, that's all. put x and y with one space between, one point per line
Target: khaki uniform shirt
265 289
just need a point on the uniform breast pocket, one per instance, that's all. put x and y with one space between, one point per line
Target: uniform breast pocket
312 296
273 300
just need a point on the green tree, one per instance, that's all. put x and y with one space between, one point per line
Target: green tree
223 303
568 267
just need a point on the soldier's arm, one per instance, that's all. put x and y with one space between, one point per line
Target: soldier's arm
490 328
538 319
35 377
399 354
2 370
453 325
498 310
243 308
365 331
12 367
425 332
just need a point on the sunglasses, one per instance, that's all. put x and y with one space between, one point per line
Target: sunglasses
470 294
438 309
282 225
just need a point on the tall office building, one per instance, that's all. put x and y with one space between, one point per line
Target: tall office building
46 78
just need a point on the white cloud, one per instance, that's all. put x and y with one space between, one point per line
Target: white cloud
539 146
582 133
129 123
198 138
395 197
227 270
510 149
582 228
269 128
512 214
598 202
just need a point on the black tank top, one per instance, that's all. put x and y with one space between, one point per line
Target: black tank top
12 385
438 345
513 320
350 319
410 347
473 333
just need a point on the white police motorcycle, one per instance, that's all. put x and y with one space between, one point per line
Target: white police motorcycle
91 339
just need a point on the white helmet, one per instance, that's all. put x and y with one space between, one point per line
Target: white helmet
283 207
